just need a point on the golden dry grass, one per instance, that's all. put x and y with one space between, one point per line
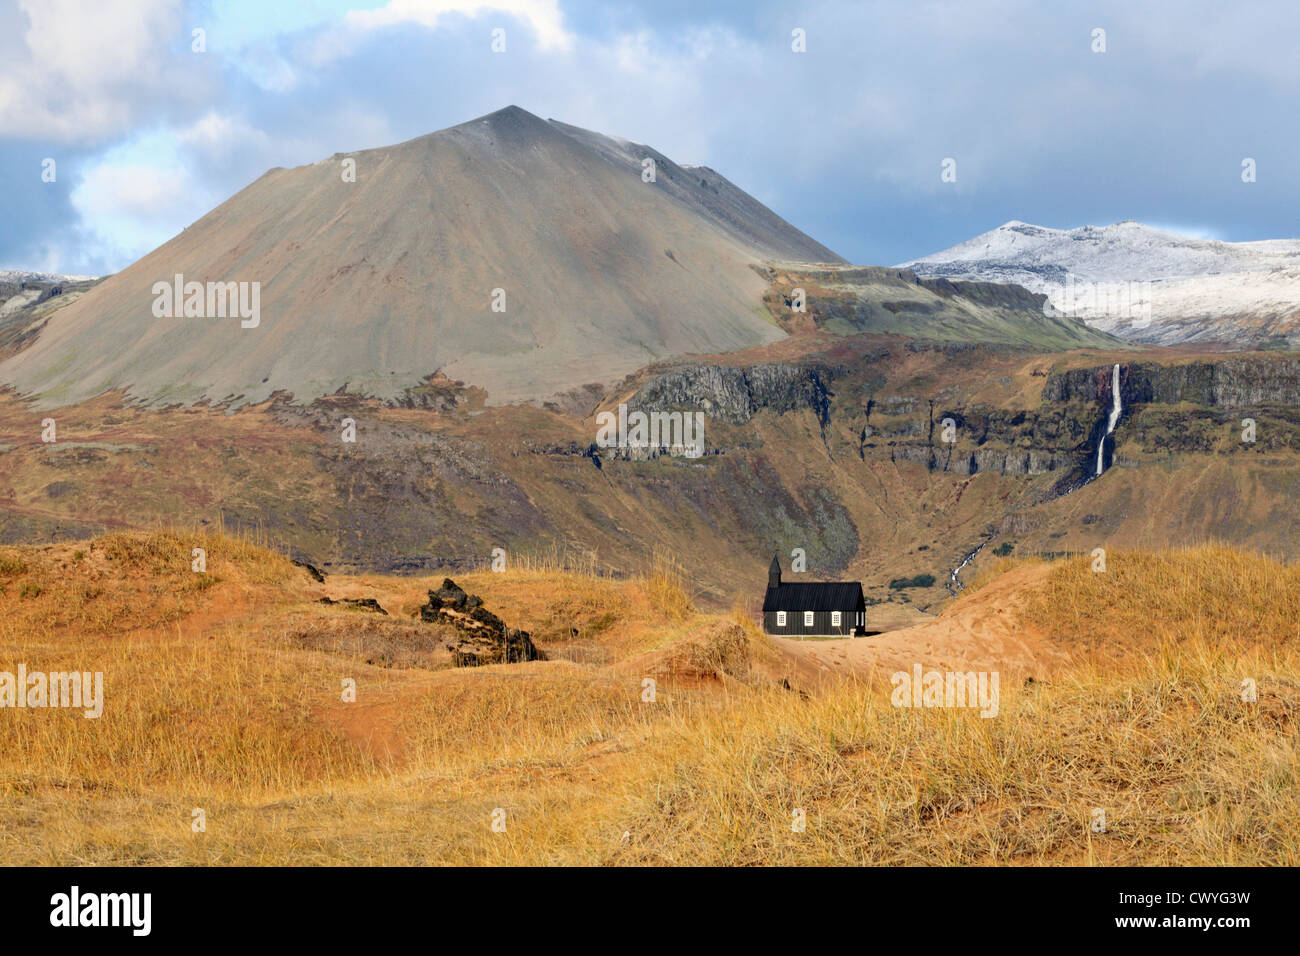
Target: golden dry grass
207 706
1209 593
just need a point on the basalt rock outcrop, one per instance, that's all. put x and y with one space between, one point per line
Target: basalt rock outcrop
735 395
482 637
1234 382
1062 435
942 457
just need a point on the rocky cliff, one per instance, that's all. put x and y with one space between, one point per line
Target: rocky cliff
1231 382
735 395
854 402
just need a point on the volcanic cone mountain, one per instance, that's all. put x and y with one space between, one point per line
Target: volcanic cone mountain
374 285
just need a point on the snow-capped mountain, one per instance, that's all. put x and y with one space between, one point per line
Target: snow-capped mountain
1143 283
21 289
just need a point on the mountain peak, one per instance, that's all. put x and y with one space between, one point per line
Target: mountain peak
508 114
510 121
376 283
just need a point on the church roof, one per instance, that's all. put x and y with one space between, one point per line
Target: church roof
814 596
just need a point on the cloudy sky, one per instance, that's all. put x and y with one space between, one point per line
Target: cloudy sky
845 140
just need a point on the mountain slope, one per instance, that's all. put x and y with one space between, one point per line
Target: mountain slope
871 299
701 188
375 285
1144 283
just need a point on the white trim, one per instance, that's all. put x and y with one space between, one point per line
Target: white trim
780 618
808 618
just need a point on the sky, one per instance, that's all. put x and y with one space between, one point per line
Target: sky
149 124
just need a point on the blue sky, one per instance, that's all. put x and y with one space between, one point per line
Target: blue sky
845 140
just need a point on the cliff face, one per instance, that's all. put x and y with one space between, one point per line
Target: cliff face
735 395
1233 382
853 403
890 427
1016 463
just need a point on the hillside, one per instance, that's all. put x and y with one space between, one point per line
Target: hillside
375 285
829 443
222 693
1243 293
860 299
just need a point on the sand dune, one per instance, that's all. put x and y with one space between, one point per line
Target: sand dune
978 632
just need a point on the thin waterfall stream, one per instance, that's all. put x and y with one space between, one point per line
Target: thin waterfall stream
1116 407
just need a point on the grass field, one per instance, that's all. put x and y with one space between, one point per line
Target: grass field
223 693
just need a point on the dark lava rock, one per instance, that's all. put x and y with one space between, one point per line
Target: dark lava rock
482 637
315 572
451 596
364 604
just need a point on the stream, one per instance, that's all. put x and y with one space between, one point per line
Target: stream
954 582
1116 409
1116 406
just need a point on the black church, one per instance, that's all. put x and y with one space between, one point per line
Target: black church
813 608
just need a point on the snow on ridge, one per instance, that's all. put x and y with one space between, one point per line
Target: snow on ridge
1137 280
23 275
1127 251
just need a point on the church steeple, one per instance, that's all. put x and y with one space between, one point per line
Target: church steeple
774 573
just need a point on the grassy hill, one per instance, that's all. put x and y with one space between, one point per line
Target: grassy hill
852 300
222 693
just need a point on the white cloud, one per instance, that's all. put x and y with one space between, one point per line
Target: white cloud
84 71
221 137
147 195
542 15
138 195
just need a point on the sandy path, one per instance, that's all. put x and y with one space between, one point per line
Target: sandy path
977 632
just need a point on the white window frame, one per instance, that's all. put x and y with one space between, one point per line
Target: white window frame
808 618
836 619
780 618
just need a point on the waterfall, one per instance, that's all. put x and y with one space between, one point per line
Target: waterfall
954 582
1116 406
